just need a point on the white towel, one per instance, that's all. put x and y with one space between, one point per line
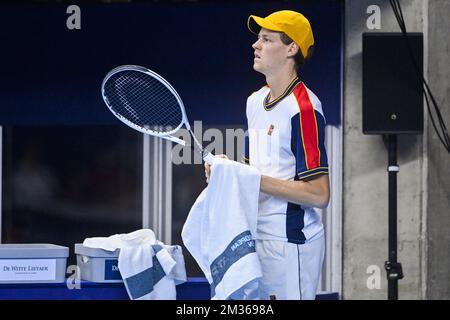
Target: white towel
220 229
150 270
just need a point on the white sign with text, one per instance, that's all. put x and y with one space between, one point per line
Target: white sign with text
27 269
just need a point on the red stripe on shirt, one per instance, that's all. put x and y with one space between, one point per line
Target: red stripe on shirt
308 127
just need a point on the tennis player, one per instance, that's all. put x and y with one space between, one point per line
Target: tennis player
286 130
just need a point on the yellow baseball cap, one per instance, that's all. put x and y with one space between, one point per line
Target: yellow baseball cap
292 23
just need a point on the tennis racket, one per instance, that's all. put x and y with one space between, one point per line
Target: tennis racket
146 102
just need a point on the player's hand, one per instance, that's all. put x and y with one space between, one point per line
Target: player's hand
208 166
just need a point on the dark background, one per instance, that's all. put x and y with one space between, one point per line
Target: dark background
52 75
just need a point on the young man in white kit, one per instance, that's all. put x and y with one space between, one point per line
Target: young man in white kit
286 130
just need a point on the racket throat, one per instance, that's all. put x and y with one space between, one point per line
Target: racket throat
197 147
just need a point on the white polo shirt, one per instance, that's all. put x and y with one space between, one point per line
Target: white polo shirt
286 141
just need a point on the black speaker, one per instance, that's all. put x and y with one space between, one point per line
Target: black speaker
392 91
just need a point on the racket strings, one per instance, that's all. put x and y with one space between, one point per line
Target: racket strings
128 107
170 112
156 115
143 100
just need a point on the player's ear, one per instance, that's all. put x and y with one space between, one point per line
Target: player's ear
292 49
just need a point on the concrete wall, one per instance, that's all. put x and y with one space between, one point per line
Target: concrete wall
365 185
438 208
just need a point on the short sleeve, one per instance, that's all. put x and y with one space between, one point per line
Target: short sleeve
308 143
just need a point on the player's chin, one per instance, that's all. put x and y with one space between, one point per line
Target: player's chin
257 67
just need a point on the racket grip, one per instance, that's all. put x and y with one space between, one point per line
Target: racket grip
208 157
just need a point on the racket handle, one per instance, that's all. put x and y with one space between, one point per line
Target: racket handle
208 157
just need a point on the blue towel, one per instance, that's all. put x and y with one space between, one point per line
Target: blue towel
150 270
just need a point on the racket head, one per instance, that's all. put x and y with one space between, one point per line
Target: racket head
143 100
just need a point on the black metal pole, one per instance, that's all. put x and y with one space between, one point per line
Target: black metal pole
393 268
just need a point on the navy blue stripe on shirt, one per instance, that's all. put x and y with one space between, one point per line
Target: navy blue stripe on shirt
295 221
297 144
246 156
321 130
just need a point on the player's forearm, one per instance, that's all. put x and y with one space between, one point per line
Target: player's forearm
313 193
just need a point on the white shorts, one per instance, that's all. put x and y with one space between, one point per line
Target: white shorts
290 271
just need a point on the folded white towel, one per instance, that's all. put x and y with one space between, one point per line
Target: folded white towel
149 268
220 229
